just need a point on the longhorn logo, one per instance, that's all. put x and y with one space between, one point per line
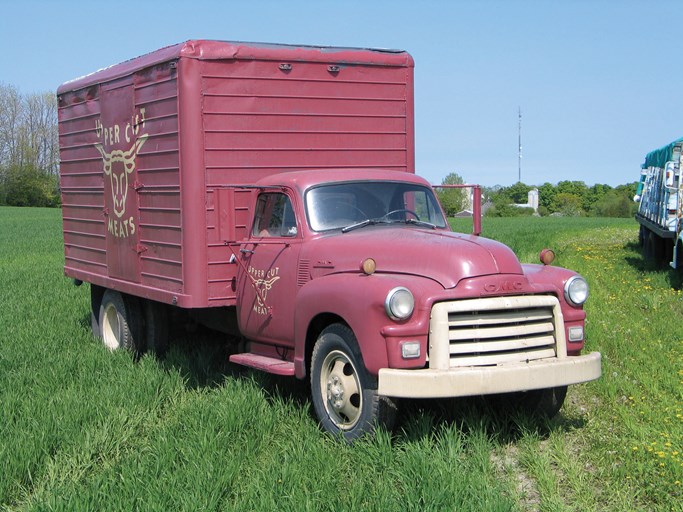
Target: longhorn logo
118 174
264 285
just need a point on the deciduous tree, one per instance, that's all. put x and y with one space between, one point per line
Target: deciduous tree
453 200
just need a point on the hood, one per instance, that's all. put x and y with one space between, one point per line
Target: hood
443 256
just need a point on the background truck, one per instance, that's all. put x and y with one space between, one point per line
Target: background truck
660 210
269 192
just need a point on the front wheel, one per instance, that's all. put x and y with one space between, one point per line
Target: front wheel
537 403
344 393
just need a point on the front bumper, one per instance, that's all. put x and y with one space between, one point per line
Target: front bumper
487 380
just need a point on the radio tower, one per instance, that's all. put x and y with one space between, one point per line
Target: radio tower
519 137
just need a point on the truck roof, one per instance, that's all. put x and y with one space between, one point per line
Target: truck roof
306 179
659 157
235 50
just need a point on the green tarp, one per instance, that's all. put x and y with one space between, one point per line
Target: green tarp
659 157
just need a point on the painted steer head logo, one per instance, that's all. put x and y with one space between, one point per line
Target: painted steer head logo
118 174
264 286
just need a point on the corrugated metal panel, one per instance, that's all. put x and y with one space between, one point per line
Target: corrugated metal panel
81 184
156 260
260 120
159 175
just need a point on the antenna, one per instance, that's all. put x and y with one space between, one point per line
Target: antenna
519 135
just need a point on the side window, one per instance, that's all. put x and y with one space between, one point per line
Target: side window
424 205
274 216
418 202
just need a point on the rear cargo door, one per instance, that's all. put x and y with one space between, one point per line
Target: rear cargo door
120 143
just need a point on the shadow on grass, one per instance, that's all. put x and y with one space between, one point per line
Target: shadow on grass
641 264
201 355
421 418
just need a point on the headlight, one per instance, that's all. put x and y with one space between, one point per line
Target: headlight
576 290
399 304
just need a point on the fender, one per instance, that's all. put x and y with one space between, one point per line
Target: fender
358 299
545 277
553 279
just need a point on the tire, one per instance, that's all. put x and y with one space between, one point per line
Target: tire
641 236
96 293
654 248
156 327
647 244
679 257
667 251
344 394
120 322
537 403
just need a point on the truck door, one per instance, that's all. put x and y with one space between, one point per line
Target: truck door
119 149
266 281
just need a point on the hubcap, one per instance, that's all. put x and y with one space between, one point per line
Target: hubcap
111 328
339 382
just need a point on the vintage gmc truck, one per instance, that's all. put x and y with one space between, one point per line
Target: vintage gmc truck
269 192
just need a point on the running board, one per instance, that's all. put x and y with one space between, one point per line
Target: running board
264 363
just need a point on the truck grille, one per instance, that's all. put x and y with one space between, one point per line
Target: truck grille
496 330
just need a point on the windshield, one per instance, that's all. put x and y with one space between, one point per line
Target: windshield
347 205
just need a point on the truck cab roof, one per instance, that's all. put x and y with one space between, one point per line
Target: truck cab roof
303 180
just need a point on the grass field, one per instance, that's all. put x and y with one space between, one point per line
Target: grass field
84 429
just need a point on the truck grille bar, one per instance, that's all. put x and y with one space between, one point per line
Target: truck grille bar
496 330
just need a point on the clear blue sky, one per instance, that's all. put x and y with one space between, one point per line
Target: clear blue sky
596 80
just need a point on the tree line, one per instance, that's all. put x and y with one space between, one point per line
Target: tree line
29 148
567 198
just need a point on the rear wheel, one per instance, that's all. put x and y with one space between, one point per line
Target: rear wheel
156 327
344 393
679 256
120 322
96 293
653 247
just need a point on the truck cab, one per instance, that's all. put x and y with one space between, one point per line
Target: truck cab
358 284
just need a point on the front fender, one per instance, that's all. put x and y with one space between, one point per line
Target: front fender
546 276
358 299
556 277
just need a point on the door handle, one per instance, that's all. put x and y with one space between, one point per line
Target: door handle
246 251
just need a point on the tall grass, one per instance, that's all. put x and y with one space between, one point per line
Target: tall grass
82 428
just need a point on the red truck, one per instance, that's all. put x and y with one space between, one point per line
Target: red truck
269 192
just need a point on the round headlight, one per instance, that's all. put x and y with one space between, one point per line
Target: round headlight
576 290
399 304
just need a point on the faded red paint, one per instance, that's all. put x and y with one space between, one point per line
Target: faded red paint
200 117
174 162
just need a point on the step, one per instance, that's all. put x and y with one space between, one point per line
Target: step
264 363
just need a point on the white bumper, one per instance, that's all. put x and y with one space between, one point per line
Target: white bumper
486 380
